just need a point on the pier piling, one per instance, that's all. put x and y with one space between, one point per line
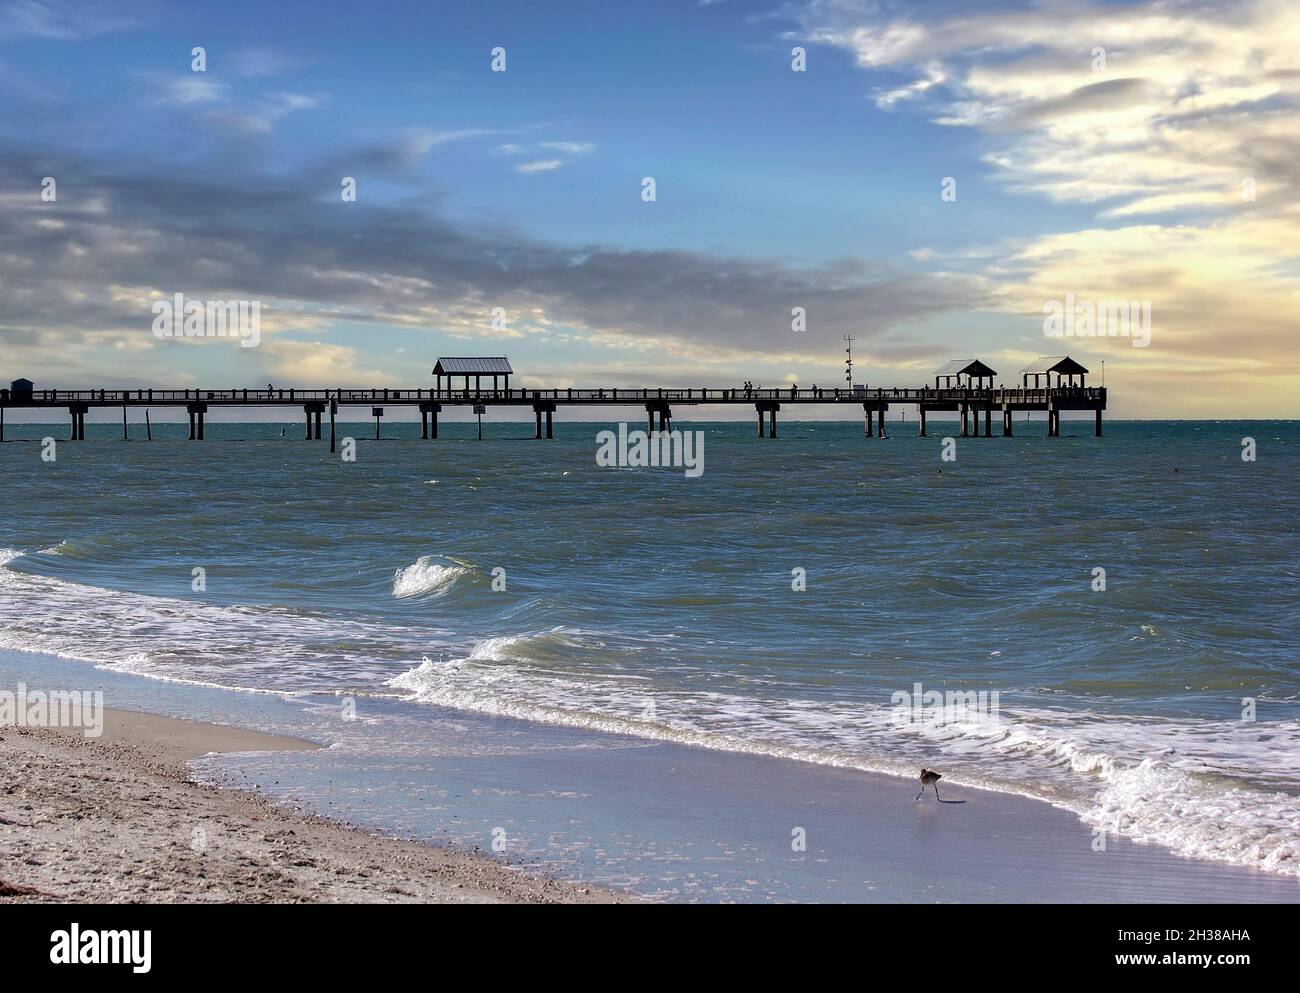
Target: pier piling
77 412
196 412
541 407
429 420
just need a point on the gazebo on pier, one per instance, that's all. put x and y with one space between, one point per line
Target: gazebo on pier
473 366
974 370
1064 367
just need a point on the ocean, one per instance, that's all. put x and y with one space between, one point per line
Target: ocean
802 599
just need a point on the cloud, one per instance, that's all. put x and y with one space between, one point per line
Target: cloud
541 165
567 150
568 147
273 239
59 21
1099 102
1175 120
264 113
190 89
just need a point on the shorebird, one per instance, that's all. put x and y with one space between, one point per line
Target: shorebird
929 778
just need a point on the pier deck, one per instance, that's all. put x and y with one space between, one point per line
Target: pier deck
544 402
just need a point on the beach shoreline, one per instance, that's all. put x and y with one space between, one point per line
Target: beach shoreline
118 818
589 816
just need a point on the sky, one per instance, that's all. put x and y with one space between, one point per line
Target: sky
930 178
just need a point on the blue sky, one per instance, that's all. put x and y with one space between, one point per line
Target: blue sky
775 189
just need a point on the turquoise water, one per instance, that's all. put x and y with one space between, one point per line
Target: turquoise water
649 605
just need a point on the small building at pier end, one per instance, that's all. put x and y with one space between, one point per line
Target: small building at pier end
1064 367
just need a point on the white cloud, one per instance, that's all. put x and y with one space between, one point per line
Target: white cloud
569 147
1150 123
195 88
541 165
1183 140
60 21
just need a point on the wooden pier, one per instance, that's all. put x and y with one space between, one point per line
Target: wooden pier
657 402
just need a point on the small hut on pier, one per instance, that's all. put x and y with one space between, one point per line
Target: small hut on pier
975 372
1064 367
476 367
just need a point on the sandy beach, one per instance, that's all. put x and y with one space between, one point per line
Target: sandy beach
117 819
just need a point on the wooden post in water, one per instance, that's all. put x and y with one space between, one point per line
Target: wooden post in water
988 422
922 410
334 407
148 428
125 437
1098 430
377 413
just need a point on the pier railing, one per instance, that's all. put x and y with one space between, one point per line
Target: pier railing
579 395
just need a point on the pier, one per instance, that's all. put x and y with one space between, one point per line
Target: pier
969 397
